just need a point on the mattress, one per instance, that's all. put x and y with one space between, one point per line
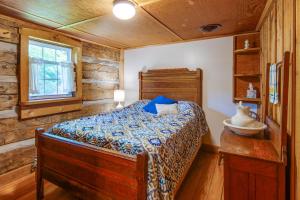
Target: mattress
170 140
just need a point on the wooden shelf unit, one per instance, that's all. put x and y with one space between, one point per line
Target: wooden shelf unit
246 67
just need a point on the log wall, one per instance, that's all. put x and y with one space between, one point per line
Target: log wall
100 78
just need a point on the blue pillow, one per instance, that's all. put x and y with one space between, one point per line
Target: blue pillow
151 108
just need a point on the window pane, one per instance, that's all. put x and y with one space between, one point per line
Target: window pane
50 87
41 71
41 88
35 51
61 56
49 54
60 87
50 71
55 71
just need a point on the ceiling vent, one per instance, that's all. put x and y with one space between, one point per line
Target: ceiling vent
210 28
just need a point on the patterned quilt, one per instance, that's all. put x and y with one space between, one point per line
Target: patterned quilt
170 140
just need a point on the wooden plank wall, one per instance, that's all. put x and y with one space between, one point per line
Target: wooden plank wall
277 36
277 32
100 78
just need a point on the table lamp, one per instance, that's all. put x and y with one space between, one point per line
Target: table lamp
119 96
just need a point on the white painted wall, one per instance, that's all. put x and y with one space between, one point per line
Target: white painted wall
213 56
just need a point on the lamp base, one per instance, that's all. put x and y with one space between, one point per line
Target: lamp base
119 106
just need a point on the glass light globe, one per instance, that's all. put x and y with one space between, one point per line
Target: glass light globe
124 9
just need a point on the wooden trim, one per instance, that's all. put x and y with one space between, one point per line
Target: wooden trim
284 100
24 70
267 88
79 22
192 40
50 37
161 23
293 160
25 102
44 111
49 101
265 14
210 148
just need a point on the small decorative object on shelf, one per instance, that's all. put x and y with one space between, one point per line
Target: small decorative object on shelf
119 96
251 93
246 44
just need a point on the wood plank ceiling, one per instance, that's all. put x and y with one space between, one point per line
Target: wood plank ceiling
156 21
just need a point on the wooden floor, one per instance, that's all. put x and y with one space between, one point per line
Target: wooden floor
203 182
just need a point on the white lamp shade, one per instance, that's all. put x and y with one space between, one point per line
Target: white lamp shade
119 95
124 9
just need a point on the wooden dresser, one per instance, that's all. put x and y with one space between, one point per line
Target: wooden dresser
252 168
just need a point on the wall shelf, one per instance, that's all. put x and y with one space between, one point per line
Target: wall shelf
247 75
245 51
248 100
246 67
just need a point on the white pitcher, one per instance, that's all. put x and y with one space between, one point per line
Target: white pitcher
242 118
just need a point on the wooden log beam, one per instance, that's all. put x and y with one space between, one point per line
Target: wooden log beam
8 57
104 76
21 134
100 52
8 102
8 88
8 69
9 33
15 155
100 67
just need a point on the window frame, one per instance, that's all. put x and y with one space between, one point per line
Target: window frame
30 108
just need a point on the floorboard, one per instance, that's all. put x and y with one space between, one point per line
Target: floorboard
203 182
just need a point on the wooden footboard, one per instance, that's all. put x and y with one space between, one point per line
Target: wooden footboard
88 171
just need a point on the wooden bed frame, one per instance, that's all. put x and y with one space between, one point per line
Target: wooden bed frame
93 172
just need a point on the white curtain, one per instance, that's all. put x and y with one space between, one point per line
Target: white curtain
68 77
34 66
67 73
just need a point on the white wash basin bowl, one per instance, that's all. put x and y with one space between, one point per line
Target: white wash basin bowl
255 128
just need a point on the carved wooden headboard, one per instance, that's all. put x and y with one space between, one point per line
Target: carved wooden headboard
178 84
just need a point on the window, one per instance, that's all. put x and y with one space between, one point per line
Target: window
50 73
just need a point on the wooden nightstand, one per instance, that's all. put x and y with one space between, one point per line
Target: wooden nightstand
252 168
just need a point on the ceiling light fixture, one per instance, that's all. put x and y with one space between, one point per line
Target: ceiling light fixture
124 9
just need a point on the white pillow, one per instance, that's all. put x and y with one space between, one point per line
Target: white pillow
165 109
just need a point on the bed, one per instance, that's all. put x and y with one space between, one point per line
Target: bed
127 153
